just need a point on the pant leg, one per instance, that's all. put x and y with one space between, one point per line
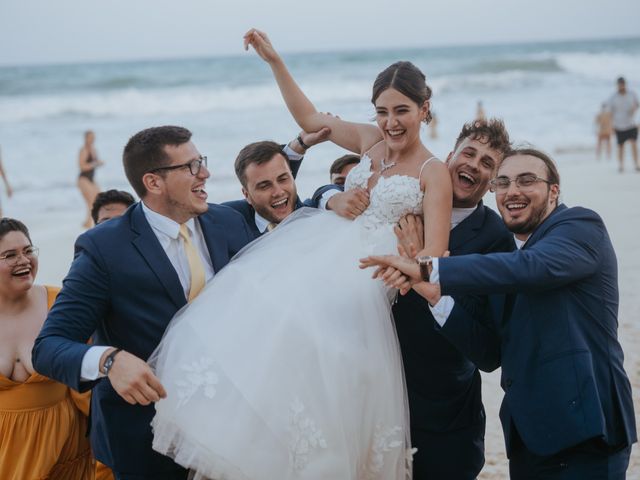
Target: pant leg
576 463
454 455
178 475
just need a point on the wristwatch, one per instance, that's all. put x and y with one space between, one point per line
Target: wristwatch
426 266
108 362
302 144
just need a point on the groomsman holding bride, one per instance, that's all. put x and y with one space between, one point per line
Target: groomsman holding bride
129 277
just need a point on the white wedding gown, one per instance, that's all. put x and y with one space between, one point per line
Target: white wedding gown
287 365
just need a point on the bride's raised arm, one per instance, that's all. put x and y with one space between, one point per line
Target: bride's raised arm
356 137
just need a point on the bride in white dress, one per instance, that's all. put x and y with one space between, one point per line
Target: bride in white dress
287 366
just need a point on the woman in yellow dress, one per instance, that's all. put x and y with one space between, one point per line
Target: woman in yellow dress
42 430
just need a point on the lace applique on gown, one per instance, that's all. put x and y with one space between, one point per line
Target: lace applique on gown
287 364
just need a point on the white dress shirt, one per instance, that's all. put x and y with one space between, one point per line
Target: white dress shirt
324 198
445 304
443 308
291 154
261 222
167 232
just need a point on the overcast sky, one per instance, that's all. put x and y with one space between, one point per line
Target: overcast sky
46 31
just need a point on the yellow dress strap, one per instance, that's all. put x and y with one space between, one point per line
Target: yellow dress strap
52 293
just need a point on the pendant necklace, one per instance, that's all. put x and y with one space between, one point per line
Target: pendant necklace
385 166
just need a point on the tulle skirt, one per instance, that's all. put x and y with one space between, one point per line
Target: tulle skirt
287 365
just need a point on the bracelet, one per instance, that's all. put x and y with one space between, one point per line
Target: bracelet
302 144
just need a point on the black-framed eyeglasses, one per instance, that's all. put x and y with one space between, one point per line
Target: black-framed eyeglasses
194 166
12 257
523 182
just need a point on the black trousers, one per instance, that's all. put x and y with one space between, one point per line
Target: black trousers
453 455
178 475
591 460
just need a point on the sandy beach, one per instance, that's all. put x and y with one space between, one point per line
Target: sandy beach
585 182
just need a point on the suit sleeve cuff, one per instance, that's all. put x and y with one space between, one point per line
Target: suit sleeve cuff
90 368
442 309
324 198
292 154
435 271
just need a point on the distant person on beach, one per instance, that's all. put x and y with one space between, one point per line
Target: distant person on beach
623 105
7 186
267 171
341 167
568 410
480 115
42 427
604 130
128 278
433 127
110 204
88 161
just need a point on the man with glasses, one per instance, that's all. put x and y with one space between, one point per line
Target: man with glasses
128 279
568 410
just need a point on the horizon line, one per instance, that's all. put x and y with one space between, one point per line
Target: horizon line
294 52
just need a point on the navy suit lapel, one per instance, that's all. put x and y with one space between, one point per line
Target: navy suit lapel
150 249
542 228
214 236
467 229
249 215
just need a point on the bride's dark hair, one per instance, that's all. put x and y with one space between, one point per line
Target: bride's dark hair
406 78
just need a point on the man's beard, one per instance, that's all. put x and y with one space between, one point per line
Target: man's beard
534 220
532 223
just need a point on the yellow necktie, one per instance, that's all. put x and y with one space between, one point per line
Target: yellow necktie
196 268
271 226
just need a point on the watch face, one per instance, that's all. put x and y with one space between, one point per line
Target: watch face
424 260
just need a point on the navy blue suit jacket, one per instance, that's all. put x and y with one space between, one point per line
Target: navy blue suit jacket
562 364
122 286
444 387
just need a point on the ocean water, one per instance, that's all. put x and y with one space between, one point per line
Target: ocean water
547 93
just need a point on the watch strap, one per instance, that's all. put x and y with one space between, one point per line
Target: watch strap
108 362
302 144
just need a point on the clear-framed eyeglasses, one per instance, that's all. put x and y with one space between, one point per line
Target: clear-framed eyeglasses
524 182
12 257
